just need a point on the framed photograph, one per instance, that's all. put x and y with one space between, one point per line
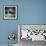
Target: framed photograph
10 12
32 32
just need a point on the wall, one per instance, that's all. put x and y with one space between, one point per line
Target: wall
33 12
29 12
7 26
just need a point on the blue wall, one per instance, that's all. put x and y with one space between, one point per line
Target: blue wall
33 12
29 12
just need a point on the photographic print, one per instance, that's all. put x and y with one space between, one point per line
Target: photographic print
10 12
33 32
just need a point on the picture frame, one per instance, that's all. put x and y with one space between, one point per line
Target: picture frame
10 12
36 32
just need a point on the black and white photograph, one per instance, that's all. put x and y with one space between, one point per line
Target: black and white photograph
33 32
10 12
